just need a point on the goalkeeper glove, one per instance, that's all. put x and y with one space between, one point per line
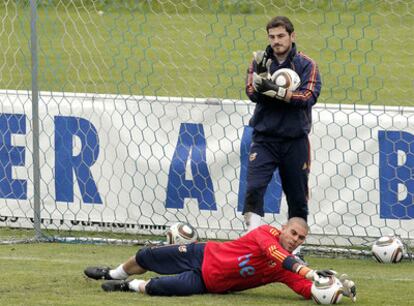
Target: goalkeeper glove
268 88
349 288
261 63
315 275
153 243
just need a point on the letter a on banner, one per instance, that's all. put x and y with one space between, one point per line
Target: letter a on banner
66 164
396 175
191 146
11 156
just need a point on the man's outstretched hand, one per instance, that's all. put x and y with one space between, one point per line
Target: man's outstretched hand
267 87
349 288
315 275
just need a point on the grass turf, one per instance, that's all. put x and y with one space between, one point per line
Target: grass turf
52 274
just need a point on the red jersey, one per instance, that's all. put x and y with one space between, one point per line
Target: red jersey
253 260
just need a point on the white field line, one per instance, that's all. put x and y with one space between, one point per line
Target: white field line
57 260
27 258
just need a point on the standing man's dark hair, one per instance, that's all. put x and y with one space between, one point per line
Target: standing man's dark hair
280 21
281 123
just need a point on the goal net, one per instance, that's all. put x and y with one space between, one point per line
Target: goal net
123 117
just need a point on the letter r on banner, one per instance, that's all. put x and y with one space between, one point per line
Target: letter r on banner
66 128
396 174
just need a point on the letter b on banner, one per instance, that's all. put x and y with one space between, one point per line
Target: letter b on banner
396 174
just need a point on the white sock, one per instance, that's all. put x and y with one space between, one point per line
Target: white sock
252 221
134 284
118 273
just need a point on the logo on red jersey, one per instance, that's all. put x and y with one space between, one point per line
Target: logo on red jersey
245 269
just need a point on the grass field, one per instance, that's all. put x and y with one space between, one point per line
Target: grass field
363 51
52 274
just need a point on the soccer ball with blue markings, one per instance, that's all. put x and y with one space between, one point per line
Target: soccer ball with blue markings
181 233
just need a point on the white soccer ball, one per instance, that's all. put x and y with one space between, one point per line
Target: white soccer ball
327 290
286 78
181 233
388 249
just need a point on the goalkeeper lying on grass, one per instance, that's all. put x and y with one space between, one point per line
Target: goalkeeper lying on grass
260 257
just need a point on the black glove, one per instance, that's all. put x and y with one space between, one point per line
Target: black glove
349 288
267 87
155 243
261 63
325 273
314 275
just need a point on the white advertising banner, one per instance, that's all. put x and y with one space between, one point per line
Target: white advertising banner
137 164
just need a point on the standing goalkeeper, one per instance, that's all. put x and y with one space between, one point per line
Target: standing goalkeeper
281 121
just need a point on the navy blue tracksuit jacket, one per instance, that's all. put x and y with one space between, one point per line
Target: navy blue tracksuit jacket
275 119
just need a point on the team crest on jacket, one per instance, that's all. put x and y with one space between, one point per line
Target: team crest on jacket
253 156
182 248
